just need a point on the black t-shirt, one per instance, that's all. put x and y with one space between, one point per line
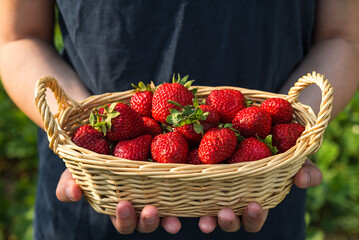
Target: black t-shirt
111 44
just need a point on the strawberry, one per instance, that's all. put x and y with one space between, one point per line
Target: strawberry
280 110
176 91
169 147
217 145
134 149
212 119
285 135
188 131
227 102
250 149
141 100
151 126
118 122
252 122
88 137
193 157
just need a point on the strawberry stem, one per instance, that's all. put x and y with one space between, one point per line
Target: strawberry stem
183 81
268 142
249 103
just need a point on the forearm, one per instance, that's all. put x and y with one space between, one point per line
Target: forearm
338 60
23 62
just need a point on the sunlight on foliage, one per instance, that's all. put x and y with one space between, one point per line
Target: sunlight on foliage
333 206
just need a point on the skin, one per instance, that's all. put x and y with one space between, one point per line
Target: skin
27 28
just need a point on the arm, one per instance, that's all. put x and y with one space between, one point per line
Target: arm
27 53
334 53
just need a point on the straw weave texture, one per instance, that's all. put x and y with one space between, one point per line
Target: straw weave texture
181 189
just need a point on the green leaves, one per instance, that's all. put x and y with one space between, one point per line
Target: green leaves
198 128
249 103
268 142
191 114
184 81
141 87
103 122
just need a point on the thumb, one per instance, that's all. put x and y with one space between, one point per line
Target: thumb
67 190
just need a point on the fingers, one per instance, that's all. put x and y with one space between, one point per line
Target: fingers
171 224
207 224
67 190
308 176
254 217
125 220
228 221
253 220
149 220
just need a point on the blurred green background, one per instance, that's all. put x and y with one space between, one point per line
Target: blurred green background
333 206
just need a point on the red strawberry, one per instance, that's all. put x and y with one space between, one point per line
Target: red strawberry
193 157
169 147
285 135
88 137
217 145
151 126
212 119
252 122
227 102
134 149
141 100
119 122
176 91
280 110
193 138
251 149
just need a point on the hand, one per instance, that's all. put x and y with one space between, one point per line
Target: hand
126 220
253 219
67 190
254 216
308 176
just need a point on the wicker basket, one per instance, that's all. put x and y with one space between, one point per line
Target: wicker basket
181 189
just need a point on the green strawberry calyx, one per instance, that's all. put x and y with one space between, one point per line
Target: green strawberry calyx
268 142
103 122
141 87
240 138
190 114
184 81
249 103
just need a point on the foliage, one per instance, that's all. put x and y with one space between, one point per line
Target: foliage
18 164
333 206
18 167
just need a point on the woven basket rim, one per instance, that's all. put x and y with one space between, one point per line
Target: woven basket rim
111 161
85 164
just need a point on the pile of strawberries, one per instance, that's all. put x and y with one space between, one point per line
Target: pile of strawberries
167 124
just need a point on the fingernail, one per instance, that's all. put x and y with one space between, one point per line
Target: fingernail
125 212
252 214
225 222
150 220
172 228
69 194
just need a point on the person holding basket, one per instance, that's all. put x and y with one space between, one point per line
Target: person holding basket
257 45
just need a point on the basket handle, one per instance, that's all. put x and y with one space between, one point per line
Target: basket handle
63 100
326 104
